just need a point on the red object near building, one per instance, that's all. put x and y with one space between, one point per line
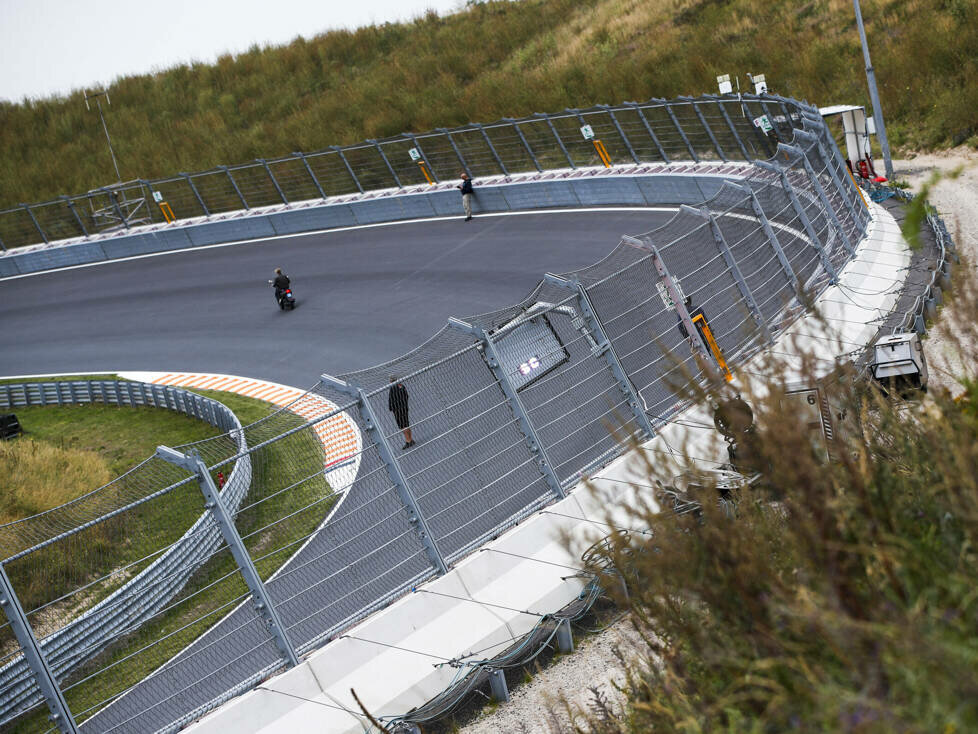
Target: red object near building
220 480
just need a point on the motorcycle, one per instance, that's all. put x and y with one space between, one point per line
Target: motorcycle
285 298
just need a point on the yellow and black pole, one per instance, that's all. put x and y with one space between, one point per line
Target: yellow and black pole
164 207
419 159
588 132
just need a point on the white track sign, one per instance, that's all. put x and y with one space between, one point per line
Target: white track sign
764 123
664 294
157 197
415 154
587 132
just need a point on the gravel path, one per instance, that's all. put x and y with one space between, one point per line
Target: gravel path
957 202
535 707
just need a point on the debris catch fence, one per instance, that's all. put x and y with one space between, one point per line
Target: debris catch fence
339 515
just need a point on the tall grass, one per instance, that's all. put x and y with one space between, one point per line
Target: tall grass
490 60
831 596
38 476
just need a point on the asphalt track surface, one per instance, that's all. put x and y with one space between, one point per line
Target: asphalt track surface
364 296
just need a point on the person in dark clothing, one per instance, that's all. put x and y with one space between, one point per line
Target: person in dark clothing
281 282
693 313
397 403
467 194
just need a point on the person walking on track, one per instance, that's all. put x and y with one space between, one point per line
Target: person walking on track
467 194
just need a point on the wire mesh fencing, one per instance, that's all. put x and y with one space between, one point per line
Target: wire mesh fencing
708 128
155 599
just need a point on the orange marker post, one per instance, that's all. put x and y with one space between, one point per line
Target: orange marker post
699 320
167 212
602 153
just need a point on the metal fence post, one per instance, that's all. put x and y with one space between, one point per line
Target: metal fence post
401 485
544 116
74 212
349 168
649 130
679 128
802 215
225 522
614 121
522 137
397 179
301 156
839 185
606 349
37 226
492 148
274 180
730 126
771 236
234 184
3 246
200 199
725 250
706 126
665 277
465 166
491 356
416 144
34 655
820 192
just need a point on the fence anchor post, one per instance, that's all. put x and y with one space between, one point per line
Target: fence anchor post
34 654
225 522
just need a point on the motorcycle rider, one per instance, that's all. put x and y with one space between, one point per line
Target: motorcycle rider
281 283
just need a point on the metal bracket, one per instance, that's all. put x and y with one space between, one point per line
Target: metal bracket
491 356
34 654
401 486
234 185
802 215
225 522
271 175
606 349
196 193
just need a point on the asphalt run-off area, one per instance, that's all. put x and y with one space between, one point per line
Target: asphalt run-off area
365 295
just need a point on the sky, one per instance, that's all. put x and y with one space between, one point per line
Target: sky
52 47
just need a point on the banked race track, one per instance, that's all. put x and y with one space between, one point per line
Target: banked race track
509 407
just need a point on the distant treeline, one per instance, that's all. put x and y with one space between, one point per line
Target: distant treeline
496 59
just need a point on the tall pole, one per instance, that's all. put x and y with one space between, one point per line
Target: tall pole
98 103
874 94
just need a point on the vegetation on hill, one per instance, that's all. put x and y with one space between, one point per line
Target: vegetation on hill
496 59
831 596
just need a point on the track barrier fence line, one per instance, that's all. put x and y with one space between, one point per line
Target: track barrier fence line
708 128
210 592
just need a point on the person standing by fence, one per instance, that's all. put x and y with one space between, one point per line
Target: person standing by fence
467 194
397 403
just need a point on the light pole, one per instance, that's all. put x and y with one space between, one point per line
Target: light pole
874 95
98 103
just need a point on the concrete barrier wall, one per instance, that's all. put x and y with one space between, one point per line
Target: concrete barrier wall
625 188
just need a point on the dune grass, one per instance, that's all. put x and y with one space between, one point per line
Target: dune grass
496 59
